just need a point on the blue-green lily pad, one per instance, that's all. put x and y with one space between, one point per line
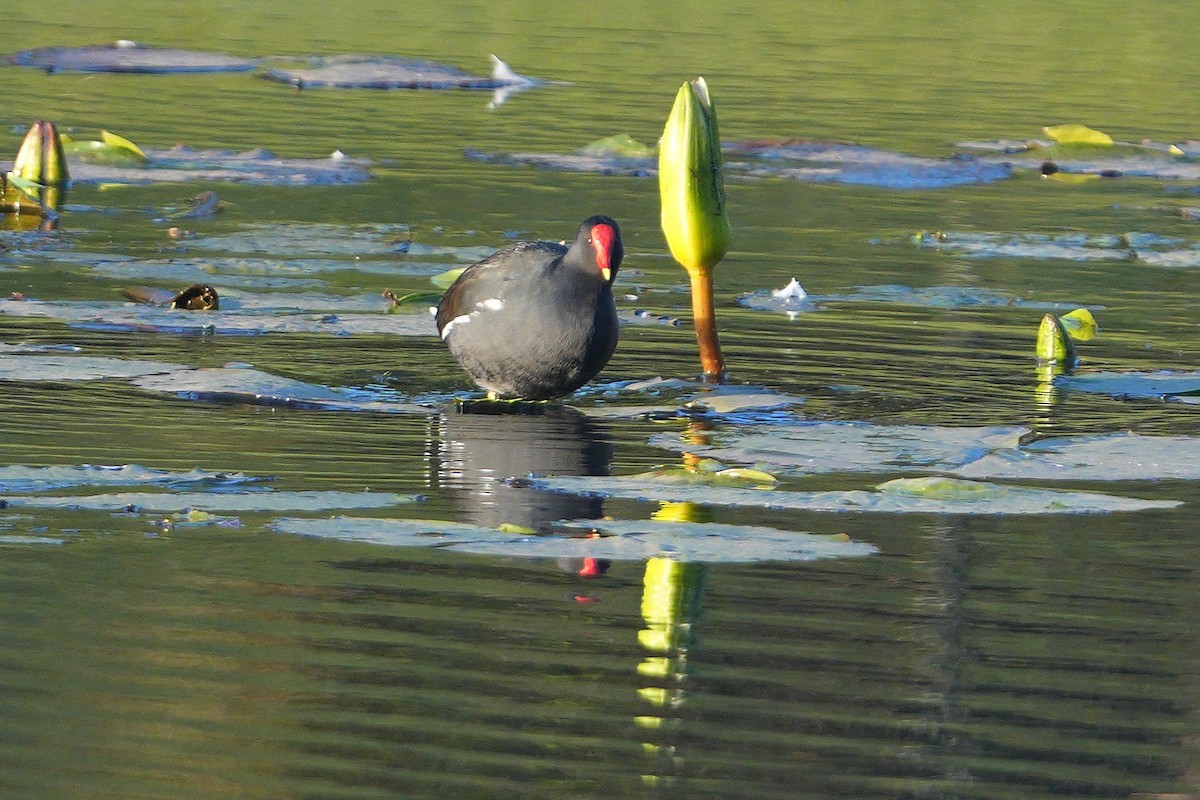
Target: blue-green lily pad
187 165
815 162
1180 386
245 385
629 540
1108 457
17 540
127 56
21 478
167 502
388 72
929 495
31 368
240 315
822 447
924 296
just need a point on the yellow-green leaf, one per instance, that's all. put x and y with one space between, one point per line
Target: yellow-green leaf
621 145
443 279
1075 133
1079 324
103 153
121 142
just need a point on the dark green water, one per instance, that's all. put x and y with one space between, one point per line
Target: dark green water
989 656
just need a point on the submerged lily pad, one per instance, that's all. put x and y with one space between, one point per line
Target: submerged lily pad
1083 152
20 478
630 540
77 368
815 162
1067 246
824 162
1107 457
244 385
183 164
923 296
823 447
299 239
17 540
384 72
933 495
167 502
989 453
127 56
1181 386
239 315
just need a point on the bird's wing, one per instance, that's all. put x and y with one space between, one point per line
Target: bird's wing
467 290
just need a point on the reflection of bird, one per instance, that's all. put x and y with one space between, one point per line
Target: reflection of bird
482 461
537 320
197 297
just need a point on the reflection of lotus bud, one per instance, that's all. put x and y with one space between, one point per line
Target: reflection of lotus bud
691 181
671 595
41 159
1053 344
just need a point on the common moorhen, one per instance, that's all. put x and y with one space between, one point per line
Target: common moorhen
536 320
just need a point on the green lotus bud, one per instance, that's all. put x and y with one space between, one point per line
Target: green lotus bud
691 182
41 159
1053 344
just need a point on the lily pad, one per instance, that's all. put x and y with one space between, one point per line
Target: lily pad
1069 246
815 162
31 368
692 400
922 296
824 447
1180 386
17 540
245 385
1083 152
312 239
825 162
127 56
20 478
167 502
630 540
240 315
1107 457
183 164
932 495
383 72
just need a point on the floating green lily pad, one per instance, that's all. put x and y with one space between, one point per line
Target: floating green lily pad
244 385
168 502
923 296
187 165
32 368
628 540
126 56
1180 386
24 479
933 495
385 72
240 315
1107 457
822 447
814 162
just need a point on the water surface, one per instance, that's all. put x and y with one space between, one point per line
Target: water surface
156 654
